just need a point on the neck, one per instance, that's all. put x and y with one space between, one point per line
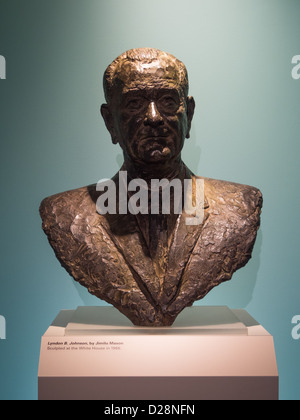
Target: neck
155 171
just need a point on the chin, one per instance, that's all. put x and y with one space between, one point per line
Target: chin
157 157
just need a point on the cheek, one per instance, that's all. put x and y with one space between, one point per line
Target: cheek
130 124
179 122
122 127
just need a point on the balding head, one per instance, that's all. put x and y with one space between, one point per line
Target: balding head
134 66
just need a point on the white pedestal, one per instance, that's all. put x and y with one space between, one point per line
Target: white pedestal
209 353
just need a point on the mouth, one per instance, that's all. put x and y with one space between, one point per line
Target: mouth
155 146
153 137
156 149
158 154
154 134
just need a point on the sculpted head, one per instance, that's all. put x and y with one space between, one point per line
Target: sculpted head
148 110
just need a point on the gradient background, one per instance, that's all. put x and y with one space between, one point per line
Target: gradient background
246 129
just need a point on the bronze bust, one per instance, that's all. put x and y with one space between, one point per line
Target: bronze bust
151 265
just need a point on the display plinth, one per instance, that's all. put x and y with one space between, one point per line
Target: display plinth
209 353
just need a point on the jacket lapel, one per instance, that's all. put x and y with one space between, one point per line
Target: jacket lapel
184 241
130 234
130 242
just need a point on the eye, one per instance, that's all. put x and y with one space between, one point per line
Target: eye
134 104
168 104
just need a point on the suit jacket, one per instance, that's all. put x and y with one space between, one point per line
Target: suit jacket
111 254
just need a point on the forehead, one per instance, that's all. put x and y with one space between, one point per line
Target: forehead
140 76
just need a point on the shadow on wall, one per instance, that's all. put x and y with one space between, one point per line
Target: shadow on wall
242 293
191 153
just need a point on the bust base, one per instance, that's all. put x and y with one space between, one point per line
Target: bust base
210 353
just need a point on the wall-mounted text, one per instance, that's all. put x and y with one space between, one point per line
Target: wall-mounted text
2 328
296 68
296 329
2 67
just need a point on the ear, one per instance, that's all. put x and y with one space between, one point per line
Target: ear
108 119
190 113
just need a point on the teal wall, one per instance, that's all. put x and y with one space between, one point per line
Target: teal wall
246 129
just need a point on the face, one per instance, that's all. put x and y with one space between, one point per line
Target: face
150 116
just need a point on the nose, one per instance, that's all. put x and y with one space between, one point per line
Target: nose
153 116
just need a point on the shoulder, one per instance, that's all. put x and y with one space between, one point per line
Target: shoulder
61 209
232 197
